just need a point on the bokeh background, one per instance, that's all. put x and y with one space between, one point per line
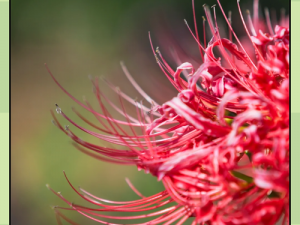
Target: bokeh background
77 39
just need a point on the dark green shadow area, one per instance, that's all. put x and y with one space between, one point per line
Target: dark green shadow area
4 60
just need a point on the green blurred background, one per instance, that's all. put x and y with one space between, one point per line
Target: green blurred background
75 39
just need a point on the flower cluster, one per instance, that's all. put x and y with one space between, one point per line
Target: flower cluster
221 147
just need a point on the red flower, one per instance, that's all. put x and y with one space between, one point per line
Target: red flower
224 158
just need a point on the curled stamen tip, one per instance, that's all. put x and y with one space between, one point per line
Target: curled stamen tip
238 1
213 6
204 5
248 11
66 127
48 186
185 21
203 18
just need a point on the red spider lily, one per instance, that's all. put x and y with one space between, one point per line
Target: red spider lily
230 108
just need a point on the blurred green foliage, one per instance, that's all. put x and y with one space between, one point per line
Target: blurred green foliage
77 38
